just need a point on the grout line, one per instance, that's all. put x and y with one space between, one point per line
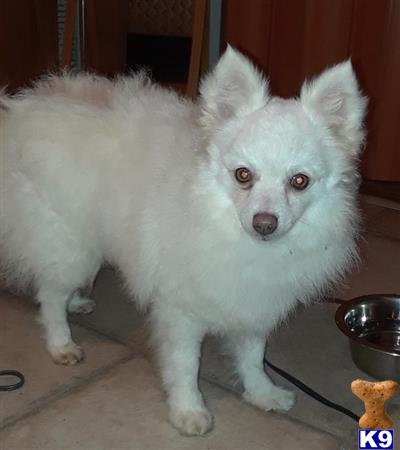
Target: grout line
218 384
58 393
110 337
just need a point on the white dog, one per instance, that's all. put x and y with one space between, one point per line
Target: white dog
220 214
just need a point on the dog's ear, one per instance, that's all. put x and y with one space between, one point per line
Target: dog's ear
234 88
334 97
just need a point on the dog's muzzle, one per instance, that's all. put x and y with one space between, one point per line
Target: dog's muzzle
265 223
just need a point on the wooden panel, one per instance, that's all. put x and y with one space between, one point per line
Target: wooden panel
28 40
246 26
105 32
286 47
326 35
387 160
69 31
199 18
369 37
375 50
305 40
280 36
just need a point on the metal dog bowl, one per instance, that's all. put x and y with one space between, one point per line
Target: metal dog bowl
372 324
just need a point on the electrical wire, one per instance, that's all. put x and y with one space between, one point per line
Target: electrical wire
307 390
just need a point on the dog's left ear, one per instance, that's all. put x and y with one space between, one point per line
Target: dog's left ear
335 98
233 89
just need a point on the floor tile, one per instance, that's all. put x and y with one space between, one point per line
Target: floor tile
125 410
22 348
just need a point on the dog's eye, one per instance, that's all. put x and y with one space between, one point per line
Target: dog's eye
243 175
299 181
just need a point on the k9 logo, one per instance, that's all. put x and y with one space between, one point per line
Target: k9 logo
368 439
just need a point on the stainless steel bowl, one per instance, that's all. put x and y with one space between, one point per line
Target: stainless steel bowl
372 324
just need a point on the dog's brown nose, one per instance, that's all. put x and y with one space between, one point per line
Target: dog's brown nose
265 223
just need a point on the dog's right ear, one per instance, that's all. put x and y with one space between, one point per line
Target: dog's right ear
233 89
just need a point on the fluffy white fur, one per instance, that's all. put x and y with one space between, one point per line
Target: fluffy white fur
123 171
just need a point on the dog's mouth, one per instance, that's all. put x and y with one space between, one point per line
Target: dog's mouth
271 237
266 238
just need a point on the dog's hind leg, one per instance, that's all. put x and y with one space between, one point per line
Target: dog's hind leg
77 304
57 293
53 303
49 242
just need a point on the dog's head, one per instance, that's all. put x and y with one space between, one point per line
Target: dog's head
276 160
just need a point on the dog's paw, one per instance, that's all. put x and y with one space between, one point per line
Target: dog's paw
192 422
68 354
81 305
277 399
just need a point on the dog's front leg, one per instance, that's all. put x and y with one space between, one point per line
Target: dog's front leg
248 352
179 343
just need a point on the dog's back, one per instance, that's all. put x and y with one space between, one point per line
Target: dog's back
72 149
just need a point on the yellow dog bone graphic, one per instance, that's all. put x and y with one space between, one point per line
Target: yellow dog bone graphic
374 396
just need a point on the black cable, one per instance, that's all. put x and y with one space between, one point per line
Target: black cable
11 386
311 392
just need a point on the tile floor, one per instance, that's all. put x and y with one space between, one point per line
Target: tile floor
114 401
